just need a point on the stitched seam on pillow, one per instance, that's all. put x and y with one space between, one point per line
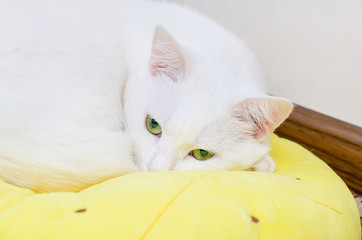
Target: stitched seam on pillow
168 206
320 203
303 197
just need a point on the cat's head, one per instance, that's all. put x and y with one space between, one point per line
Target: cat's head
188 111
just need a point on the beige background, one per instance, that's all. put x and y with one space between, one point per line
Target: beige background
310 50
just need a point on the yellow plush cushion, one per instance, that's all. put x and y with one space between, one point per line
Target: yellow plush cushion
304 199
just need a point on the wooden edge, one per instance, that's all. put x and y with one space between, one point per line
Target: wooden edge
327 125
336 142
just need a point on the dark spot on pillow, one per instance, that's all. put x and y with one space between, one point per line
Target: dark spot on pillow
254 219
298 178
80 210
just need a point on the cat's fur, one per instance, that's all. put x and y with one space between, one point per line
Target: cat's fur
78 80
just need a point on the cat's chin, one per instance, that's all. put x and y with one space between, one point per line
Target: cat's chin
267 164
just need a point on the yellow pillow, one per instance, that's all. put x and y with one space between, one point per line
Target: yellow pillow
304 199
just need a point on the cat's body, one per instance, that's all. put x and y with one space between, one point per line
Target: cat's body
75 95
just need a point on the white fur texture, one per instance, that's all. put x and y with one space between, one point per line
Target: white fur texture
75 92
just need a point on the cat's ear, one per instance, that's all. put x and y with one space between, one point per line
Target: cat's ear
265 114
166 55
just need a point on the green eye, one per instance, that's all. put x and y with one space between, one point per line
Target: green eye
200 154
153 126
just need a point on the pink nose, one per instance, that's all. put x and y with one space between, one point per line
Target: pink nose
157 164
151 167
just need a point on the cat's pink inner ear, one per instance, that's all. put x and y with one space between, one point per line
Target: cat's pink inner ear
166 55
265 114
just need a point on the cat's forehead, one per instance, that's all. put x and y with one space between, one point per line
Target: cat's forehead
213 130
203 123
198 95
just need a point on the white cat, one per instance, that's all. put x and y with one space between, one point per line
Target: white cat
90 90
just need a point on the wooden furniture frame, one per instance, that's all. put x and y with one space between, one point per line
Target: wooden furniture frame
336 142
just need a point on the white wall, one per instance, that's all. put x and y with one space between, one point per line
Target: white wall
310 50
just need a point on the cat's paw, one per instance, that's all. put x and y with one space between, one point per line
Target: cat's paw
267 164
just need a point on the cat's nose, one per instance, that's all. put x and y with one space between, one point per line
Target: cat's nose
158 163
152 168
